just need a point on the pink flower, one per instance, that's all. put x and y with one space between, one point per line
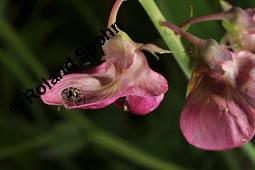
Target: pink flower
219 113
125 79
239 23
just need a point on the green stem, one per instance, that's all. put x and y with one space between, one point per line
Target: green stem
170 38
2 6
13 40
13 68
22 75
25 147
99 138
231 160
116 145
249 150
130 152
96 136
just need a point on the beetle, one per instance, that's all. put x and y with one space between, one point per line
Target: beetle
72 95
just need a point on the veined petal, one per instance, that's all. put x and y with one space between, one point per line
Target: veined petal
217 117
147 82
219 113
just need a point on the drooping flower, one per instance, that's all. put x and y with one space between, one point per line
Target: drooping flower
125 78
219 113
239 23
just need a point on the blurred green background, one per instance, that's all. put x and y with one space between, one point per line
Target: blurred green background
36 36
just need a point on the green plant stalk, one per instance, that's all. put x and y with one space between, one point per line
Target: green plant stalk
13 67
2 6
171 39
231 160
19 72
8 34
26 146
130 152
249 150
97 137
117 145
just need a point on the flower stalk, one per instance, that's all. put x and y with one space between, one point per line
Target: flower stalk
114 12
171 39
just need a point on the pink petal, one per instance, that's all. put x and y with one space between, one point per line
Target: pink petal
147 82
248 41
90 86
243 69
101 87
143 105
217 117
148 90
119 51
96 70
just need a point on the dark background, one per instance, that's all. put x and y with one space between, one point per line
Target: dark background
36 36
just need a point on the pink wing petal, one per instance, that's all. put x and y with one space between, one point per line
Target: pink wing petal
244 67
143 105
213 120
147 82
148 89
